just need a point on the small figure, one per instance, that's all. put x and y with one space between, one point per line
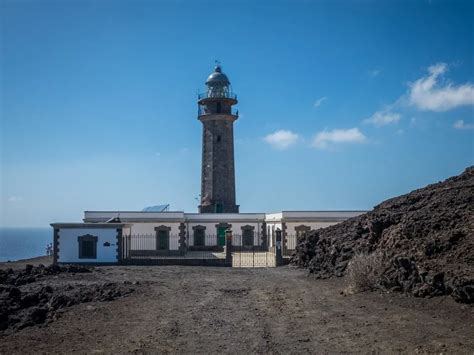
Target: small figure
49 249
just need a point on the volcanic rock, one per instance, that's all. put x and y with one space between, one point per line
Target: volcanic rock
426 237
28 299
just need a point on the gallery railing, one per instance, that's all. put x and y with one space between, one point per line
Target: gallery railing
219 94
203 110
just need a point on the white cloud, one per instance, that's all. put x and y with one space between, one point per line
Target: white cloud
326 138
319 101
460 124
281 139
428 94
374 72
382 118
15 199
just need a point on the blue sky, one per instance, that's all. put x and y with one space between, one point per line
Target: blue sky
343 104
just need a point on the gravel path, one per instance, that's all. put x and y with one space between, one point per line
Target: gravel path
265 310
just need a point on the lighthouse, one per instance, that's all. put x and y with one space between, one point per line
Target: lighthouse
216 112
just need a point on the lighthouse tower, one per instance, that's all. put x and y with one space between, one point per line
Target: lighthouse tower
217 117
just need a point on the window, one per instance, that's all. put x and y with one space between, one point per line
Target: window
218 139
218 108
219 208
247 235
87 246
199 236
302 229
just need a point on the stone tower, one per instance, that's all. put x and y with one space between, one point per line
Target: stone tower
217 117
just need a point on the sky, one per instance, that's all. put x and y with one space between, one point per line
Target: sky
342 104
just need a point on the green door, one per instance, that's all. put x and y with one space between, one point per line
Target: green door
163 240
221 236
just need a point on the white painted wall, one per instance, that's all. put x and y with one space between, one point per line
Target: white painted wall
149 227
223 217
94 216
290 226
320 214
272 227
211 231
144 223
69 245
272 217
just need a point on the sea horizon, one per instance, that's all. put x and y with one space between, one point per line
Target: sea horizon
18 243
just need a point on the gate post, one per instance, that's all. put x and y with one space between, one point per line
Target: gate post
182 239
228 246
278 251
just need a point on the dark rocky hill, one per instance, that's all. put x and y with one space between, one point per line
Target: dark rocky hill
426 237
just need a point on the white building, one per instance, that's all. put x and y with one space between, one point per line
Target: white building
119 236
104 235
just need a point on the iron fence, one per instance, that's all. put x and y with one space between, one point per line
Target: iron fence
248 250
146 245
168 246
289 244
204 242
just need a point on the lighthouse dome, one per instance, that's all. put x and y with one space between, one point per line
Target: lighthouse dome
217 78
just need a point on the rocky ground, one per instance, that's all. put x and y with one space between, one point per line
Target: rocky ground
425 238
36 295
231 310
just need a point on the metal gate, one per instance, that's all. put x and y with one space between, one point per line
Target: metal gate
251 252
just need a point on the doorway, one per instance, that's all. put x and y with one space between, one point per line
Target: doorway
163 240
221 236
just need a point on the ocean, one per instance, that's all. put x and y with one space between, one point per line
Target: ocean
24 243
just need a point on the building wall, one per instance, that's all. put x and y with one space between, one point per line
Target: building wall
272 226
290 226
69 245
211 231
133 216
321 215
144 223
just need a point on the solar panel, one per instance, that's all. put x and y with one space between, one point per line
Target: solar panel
157 208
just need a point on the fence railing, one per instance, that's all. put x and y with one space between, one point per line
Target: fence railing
248 250
289 244
209 242
143 245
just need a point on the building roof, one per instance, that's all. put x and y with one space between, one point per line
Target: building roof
217 77
90 225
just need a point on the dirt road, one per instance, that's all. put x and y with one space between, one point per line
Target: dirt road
274 310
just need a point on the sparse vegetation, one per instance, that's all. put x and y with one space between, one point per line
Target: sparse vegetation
364 272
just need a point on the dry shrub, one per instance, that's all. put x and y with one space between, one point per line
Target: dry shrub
364 272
